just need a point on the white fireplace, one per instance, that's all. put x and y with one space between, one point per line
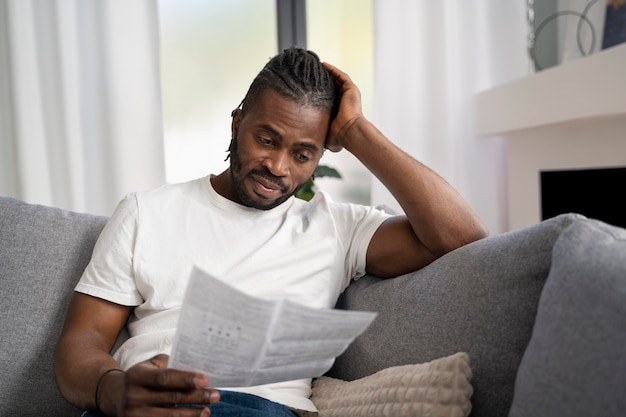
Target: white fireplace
568 117
594 192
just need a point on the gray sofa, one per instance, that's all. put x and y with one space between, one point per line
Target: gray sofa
541 312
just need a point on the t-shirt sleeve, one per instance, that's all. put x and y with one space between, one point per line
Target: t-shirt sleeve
109 275
356 226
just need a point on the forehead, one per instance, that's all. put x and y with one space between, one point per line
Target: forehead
287 118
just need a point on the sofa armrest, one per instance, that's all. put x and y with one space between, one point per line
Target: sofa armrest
481 299
43 252
575 363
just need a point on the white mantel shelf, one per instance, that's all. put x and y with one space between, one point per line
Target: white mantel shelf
572 116
587 88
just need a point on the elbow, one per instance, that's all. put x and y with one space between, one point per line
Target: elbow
477 232
461 238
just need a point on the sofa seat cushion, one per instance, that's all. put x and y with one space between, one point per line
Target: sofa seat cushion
575 364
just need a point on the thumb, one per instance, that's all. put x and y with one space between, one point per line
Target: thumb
333 146
159 361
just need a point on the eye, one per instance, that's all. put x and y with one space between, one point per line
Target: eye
265 141
302 156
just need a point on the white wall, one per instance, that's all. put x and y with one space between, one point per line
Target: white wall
430 60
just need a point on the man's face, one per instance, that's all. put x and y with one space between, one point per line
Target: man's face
277 145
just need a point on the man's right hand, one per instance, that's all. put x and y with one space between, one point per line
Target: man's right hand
82 356
151 389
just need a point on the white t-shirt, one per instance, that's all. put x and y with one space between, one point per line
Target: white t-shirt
307 252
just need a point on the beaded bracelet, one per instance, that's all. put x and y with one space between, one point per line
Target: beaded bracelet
98 385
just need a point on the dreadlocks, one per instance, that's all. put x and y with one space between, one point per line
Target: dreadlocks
298 75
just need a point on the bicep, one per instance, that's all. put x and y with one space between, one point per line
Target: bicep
94 321
396 250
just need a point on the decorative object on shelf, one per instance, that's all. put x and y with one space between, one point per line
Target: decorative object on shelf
614 23
308 190
564 30
530 17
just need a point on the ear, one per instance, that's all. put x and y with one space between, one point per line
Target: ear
236 115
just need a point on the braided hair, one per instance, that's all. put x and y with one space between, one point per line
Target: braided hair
296 74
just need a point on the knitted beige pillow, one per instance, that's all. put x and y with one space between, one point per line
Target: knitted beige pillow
437 388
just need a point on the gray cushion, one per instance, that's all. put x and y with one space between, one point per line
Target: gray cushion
575 364
43 252
481 299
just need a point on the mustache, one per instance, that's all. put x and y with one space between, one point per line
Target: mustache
265 173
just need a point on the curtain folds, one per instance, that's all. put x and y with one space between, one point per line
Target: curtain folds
431 57
80 112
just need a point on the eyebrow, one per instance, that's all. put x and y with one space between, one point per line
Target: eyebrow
309 145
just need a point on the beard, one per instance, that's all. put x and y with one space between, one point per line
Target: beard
237 175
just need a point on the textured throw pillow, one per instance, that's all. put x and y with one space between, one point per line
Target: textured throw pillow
437 388
575 364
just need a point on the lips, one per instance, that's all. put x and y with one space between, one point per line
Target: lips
266 188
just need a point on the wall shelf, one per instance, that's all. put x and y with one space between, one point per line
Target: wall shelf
589 87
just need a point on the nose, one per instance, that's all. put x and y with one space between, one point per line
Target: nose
278 163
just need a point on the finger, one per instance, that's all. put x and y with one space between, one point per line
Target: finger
160 361
329 67
199 397
168 379
187 411
200 380
154 373
340 77
334 71
139 397
335 148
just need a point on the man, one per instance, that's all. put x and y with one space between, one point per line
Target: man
245 227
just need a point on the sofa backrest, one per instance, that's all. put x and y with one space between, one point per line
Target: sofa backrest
43 252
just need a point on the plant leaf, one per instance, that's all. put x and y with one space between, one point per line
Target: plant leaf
326 171
306 192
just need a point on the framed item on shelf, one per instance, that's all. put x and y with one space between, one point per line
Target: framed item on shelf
614 23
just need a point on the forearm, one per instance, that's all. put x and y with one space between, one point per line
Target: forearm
78 366
438 214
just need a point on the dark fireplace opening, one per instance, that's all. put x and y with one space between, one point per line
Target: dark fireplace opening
595 193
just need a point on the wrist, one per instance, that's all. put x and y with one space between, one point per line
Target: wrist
359 133
102 397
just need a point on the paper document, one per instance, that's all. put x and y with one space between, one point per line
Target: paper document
240 340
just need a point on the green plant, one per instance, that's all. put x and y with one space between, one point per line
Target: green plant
308 190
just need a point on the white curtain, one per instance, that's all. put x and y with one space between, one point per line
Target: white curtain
431 57
80 112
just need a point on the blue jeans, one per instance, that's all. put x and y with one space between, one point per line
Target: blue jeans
239 404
